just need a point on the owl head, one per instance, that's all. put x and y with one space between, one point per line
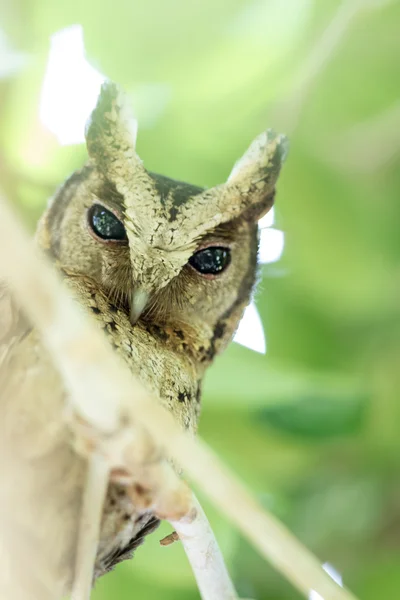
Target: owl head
170 254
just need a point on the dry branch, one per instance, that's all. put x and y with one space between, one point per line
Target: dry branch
122 401
202 551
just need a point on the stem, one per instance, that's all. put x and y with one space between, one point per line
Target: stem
204 555
267 534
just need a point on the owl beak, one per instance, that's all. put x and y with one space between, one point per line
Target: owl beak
139 300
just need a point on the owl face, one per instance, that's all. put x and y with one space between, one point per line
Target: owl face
170 254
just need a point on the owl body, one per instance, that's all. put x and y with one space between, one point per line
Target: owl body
166 270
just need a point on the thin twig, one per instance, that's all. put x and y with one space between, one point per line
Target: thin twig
287 111
89 527
71 337
366 146
202 551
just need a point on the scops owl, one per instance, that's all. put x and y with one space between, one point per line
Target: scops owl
166 268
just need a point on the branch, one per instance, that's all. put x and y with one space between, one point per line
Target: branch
204 556
87 364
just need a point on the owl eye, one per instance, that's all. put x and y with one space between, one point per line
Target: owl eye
211 261
105 224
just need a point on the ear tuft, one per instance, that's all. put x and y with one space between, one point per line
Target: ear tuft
262 161
254 176
111 130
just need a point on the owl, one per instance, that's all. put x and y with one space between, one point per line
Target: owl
166 269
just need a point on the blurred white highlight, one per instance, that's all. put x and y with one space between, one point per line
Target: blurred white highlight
70 87
267 220
250 332
271 239
271 245
335 576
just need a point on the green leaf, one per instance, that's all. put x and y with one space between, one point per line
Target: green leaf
316 416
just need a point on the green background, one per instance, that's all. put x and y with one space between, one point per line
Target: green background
313 426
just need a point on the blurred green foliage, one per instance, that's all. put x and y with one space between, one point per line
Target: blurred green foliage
312 427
